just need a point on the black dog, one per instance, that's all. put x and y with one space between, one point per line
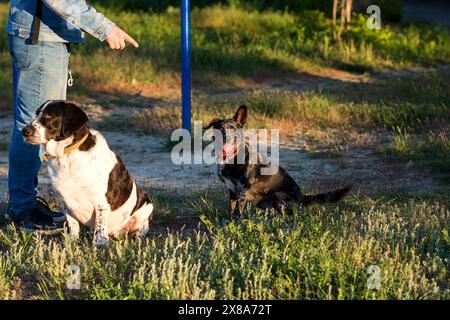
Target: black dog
245 182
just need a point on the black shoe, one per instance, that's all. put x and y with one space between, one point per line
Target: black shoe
43 212
39 219
31 221
43 208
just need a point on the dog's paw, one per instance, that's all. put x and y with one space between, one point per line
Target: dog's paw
101 241
74 227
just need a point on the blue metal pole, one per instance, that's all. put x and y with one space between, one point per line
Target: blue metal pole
185 65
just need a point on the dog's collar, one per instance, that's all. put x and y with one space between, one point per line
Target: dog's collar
69 148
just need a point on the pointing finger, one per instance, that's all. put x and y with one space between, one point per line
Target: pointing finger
130 40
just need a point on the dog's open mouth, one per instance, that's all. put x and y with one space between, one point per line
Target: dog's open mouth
228 151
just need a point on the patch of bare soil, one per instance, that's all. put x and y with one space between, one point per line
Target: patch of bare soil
300 81
149 159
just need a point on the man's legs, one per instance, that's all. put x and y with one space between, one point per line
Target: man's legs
39 74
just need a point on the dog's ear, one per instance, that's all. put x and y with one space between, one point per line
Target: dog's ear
73 119
212 123
241 115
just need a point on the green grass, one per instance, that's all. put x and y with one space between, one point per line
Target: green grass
229 44
319 253
413 104
392 9
416 105
431 151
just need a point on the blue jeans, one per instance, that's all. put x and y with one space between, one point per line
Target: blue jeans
39 74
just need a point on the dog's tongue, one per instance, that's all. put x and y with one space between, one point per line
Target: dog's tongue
228 148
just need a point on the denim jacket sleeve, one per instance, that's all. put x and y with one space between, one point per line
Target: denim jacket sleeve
83 16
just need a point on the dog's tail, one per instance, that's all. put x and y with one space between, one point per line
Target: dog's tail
327 197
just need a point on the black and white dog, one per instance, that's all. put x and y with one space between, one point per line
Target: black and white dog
93 184
245 179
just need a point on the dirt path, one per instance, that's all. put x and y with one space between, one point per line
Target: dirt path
150 162
149 159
